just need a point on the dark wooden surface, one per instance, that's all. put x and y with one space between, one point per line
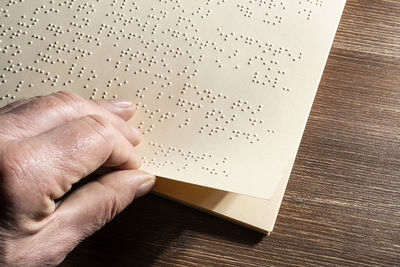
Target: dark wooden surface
342 205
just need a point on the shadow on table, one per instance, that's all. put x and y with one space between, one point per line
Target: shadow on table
151 227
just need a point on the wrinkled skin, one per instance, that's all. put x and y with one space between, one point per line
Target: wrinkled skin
48 144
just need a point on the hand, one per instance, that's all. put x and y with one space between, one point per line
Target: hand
47 144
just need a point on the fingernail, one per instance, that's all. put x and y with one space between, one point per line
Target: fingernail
145 187
121 103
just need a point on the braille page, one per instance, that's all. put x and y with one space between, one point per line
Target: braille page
223 88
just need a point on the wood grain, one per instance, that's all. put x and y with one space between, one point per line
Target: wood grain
342 205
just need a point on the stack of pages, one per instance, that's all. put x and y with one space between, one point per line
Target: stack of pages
223 87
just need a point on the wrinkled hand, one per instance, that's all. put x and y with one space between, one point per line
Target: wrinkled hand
47 144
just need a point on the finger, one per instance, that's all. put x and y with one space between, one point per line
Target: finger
44 113
88 208
50 163
120 107
14 105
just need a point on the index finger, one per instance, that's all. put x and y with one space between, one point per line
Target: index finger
44 113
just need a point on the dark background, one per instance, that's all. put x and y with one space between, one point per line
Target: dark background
342 205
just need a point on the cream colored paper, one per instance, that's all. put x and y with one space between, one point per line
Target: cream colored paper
256 213
224 88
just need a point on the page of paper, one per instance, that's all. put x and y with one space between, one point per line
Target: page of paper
223 88
253 212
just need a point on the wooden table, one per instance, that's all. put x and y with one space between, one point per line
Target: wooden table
342 205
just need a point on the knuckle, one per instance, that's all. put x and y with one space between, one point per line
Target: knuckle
12 161
18 178
109 207
8 122
100 126
70 99
11 172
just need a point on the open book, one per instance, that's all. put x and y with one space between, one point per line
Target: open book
223 87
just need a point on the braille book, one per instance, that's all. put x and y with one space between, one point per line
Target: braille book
223 87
